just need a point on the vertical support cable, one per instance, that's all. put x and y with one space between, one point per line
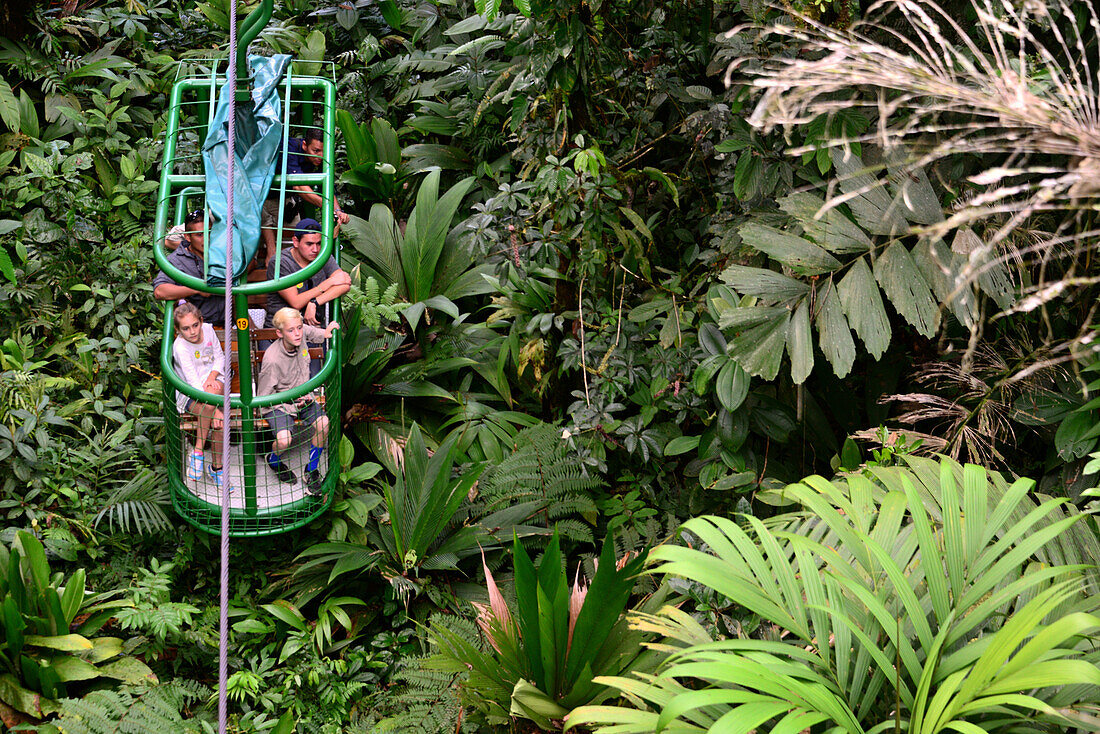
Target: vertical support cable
223 607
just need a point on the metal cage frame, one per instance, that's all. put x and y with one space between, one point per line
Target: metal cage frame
175 189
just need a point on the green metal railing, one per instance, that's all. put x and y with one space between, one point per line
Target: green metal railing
291 509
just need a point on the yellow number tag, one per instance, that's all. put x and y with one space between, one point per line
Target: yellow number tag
242 324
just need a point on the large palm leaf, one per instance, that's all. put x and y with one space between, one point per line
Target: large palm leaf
905 606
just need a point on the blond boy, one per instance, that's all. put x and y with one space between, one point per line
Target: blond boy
285 366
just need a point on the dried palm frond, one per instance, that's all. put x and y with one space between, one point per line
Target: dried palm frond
1015 90
970 405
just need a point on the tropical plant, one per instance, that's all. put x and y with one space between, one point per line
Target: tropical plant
544 656
374 159
525 306
41 659
139 506
542 467
422 700
836 273
1002 99
143 709
924 598
419 526
429 266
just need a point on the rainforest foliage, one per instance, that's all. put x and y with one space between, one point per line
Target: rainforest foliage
712 366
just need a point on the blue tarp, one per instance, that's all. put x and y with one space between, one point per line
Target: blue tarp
258 134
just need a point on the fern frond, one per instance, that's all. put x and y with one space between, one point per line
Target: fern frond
118 712
543 467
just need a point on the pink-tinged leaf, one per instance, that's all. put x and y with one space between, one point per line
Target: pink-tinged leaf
576 601
497 612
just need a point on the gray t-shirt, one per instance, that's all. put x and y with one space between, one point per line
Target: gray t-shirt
187 262
290 265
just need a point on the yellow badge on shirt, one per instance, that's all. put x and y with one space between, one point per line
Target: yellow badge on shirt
197 354
305 351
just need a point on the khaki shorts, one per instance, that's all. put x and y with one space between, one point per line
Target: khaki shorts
280 421
269 215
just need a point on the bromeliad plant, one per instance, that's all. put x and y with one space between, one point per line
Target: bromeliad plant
41 660
924 599
544 656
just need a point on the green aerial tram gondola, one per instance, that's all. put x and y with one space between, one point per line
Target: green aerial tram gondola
259 504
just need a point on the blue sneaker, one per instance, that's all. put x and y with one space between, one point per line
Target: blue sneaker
219 476
195 463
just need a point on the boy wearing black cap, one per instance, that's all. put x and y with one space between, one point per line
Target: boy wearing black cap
311 295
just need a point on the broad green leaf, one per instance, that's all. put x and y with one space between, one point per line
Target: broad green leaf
426 232
28 116
637 221
859 294
681 445
430 156
311 53
385 142
763 283
760 349
833 335
800 345
129 670
732 385
72 596
391 13
286 724
287 613
903 284
6 267
940 267
21 699
104 648
912 191
526 586
63 643
744 317
9 106
378 239
866 196
746 176
833 231
800 255
470 25
34 560
986 265
69 668
530 703
1076 436
705 371
670 331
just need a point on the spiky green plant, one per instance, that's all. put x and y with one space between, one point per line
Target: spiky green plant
545 655
925 599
